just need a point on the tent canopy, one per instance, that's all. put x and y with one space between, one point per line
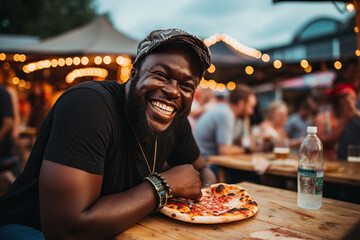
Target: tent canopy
96 37
223 54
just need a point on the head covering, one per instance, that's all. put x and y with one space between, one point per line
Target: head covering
160 37
341 89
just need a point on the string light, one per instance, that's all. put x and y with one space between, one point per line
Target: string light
61 62
337 65
97 60
249 70
76 61
2 56
204 83
231 85
107 60
220 87
84 72
211 69
68 61
277 64
16 57
22 57
350 7
212 84
304 63
84 60
16 80
265 57
308 69
252 52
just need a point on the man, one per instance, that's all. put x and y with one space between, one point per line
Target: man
297 123
215 130
85 175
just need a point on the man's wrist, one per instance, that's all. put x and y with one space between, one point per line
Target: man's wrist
162 189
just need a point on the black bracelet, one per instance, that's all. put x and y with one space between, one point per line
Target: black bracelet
160 191
169 192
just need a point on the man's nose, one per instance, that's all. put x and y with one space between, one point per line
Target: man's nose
171 88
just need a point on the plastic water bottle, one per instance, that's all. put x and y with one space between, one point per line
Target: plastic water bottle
311 171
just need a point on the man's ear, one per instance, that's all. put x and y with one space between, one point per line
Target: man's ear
133 73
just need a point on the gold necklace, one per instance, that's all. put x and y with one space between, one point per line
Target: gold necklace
142 151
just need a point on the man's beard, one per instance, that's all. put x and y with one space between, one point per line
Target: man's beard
139 121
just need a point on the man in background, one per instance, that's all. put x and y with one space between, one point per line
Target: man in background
297 123
216 128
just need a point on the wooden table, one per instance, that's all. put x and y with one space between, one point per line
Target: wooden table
335 171
278 216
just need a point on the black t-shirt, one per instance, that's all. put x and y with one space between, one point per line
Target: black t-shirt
87 129
6 110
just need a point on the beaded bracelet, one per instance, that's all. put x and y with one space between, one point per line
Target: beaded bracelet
160 191
169 192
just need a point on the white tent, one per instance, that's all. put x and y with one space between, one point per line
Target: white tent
96 37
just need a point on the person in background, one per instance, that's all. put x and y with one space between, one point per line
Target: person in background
297 123
6 140
39 103
6 76
108 154
350 73
204 99
215 130
273 127
331 123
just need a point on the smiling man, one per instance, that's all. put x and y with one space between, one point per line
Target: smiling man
93 170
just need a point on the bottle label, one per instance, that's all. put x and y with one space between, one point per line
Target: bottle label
317 174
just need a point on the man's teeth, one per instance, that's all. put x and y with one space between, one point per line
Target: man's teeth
163 108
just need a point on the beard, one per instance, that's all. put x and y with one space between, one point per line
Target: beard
139 121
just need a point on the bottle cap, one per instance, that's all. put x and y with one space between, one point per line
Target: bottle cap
311 129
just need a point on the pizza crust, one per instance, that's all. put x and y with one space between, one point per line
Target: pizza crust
235 209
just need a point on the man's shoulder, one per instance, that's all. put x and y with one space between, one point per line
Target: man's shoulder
108 89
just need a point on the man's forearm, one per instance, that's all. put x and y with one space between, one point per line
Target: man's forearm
108 216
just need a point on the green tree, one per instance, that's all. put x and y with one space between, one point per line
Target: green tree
44 18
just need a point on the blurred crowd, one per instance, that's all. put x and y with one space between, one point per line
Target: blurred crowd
237 125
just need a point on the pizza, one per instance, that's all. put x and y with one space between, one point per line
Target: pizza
220 203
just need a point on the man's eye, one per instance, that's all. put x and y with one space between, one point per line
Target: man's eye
160 74
188 87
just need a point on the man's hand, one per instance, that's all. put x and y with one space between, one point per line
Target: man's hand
184 180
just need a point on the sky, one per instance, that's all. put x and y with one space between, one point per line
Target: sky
259 24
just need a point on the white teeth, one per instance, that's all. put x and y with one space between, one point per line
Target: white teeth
167 110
